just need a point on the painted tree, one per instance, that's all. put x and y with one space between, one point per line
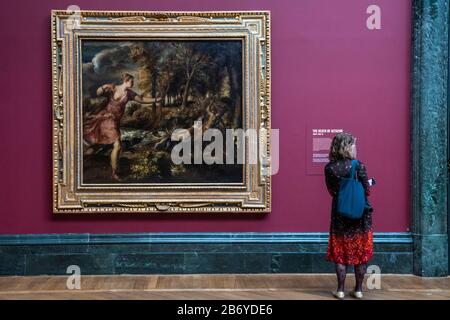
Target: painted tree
191 61
228 73
147 56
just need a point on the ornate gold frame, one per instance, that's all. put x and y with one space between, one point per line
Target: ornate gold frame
69 196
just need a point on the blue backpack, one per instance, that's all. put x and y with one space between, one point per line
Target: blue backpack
351 197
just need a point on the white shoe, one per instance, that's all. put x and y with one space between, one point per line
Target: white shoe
357 294
338 294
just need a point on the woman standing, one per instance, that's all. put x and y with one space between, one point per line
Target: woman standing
103 127
351 240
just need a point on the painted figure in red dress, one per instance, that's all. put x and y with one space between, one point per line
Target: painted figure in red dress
103 127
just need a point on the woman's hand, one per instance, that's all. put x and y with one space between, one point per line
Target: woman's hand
147 99
148 96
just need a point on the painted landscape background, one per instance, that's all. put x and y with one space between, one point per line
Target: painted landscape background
195 80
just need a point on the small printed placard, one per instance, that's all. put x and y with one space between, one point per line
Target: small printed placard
318 146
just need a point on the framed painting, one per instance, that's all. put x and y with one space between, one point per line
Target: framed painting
161 111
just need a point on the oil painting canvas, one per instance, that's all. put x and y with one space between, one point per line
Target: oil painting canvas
136 93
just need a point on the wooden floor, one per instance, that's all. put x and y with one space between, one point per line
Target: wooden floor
256 286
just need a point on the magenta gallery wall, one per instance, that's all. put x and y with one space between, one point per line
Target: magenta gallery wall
328 71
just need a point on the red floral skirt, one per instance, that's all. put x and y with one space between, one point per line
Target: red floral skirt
351 249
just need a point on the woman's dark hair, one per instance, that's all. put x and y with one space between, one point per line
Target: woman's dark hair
341 146
126 77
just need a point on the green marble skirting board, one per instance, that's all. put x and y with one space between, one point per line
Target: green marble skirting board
188 253
424 252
